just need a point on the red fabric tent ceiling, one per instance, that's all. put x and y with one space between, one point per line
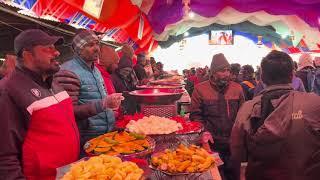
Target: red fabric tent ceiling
58 8
122 14
114 14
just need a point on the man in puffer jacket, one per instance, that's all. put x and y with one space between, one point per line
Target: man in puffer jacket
84 83
216 102
278 132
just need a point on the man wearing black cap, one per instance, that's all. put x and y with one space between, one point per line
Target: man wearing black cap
216 102
38 129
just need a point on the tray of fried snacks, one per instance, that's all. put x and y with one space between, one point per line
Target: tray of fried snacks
120 143
101 167
182 160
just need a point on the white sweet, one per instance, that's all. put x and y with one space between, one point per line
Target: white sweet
154 125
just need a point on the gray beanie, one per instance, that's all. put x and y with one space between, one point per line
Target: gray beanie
219 62
83 38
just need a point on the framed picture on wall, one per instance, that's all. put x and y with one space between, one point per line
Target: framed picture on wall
221 37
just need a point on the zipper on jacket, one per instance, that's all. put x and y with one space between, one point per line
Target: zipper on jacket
228 108
101 97
72 124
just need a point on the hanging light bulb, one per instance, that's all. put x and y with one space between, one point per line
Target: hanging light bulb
191 15
186 34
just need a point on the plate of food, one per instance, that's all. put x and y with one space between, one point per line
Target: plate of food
157 125
120 143
182 160
153 125
170 80
102 167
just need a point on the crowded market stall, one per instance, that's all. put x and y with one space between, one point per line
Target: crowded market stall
162 51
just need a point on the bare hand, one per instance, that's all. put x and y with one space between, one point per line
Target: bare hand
113 101
205 139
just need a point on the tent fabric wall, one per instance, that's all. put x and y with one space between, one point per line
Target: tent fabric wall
282 24
170 10
298 17
164 18
247 29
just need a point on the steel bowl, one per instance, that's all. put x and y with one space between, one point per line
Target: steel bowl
156 96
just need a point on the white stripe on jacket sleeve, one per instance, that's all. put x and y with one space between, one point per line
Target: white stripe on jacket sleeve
47 101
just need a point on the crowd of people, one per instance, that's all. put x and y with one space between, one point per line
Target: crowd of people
306 76
268 118
51 110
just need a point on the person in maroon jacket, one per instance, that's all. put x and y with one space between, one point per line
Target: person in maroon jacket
278 131
215 103
139 69
38 130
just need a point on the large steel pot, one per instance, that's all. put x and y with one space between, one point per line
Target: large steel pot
156 96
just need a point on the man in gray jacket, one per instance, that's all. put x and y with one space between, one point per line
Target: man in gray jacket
278 132
84 83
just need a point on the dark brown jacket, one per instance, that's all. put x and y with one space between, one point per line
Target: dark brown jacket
140 72
217 110
303 75
287 144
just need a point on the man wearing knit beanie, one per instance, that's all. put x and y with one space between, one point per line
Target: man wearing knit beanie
84 83
305 69
216 102
220 72
219 62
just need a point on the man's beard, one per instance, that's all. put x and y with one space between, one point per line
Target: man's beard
51 71
220 83
48 70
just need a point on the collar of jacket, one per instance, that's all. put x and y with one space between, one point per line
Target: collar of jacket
83 63
213 85
276 87
103 70
36 77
